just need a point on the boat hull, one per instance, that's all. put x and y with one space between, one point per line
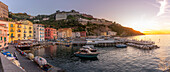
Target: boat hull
87 55
121 46
24 48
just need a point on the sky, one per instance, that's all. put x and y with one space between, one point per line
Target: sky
147 16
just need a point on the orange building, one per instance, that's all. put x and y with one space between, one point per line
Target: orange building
3 10
3 36
64 33
50 33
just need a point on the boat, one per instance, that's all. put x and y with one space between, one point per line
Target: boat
86 53
23 44
67 45
121 46
88 47
43 63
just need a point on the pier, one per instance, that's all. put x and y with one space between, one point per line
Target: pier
112 42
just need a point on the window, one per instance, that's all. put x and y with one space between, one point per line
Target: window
34 31
1 38
5 44
19 35
4 38
0 31
11 25
24 35
30 31
29 27
12 30
25 32
19 30
12 34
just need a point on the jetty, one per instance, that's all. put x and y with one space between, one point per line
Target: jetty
141 44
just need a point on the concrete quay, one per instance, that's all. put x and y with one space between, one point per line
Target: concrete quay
27 64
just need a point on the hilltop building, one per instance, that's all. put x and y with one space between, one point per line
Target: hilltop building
3 10
63 15
50 34
64 33
39 32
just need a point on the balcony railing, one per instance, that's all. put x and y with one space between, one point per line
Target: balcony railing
19 26
25 32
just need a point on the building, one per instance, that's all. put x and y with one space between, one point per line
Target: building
64 33
39 32
103 33
3 10
63 15
83 34
27 26
76 34
50 33
7 24
3 36
111 33
12 31
21 30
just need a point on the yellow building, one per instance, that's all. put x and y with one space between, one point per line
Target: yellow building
103 33
21 30
12 31
64 33
27 29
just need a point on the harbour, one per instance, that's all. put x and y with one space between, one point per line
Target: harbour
111 58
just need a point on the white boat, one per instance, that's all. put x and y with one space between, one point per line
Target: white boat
86 53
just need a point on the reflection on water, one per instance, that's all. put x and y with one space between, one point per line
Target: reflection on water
113 59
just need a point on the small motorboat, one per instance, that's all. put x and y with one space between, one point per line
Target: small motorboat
121 46
86 53
88 47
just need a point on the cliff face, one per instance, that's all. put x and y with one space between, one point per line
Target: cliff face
79 22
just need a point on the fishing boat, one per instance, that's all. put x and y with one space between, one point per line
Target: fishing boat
86 53
88 47
121 46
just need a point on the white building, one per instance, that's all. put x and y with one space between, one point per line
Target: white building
39 32
75 34
63 15
44 19
111 33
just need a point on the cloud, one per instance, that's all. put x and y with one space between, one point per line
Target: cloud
163 6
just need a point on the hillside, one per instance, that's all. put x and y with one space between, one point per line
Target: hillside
78 22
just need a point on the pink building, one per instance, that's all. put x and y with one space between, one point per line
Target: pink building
3 36
83 34
50 33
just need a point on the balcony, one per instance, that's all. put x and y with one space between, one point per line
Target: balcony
25 32
11 30
19 26
12 36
